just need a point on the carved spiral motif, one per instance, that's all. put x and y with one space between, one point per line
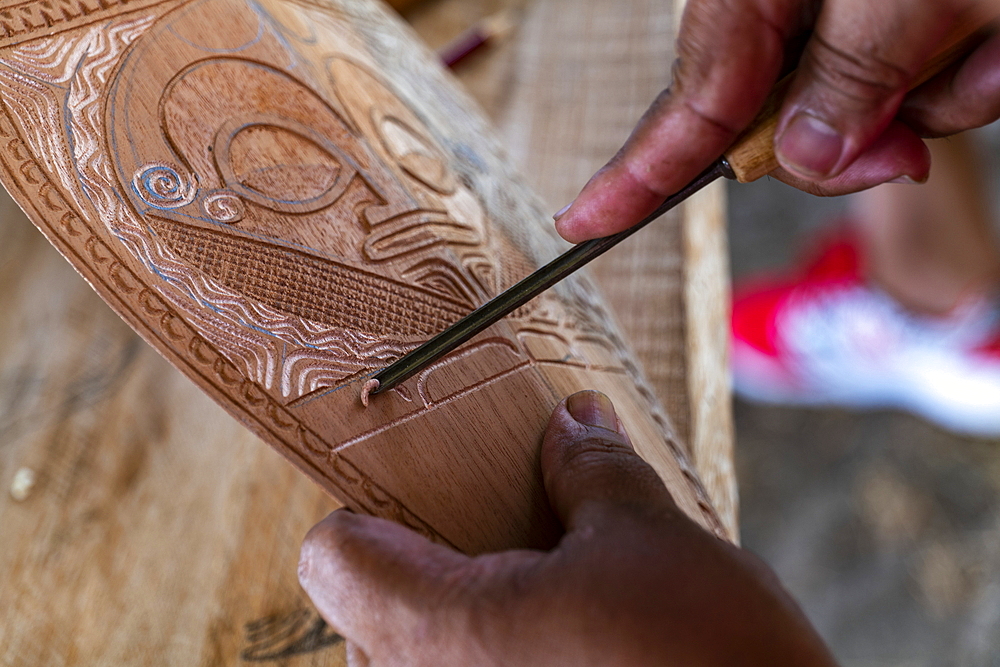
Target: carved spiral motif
224 206
160 186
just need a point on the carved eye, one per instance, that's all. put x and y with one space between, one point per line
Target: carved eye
281 165
416 156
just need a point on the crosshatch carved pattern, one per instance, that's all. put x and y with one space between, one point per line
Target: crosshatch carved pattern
321 288
230 267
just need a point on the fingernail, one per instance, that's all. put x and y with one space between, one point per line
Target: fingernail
809 146
592 408
561 212
907 180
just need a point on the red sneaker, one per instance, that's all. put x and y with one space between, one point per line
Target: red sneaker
823 336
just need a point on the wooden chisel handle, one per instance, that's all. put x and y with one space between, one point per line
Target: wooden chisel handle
752 155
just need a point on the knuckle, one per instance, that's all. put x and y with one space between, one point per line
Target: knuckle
586 461
860 79
330 529
597 454
592 446
322 540
951 117
305 564
309 555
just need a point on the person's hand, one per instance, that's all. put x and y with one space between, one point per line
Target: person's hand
633 581
838 130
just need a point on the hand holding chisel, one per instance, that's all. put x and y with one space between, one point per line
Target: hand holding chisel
787 137
840 123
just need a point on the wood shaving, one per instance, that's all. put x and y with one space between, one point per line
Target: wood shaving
367 389
20 487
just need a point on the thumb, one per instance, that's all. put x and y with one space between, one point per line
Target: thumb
374 581
853 76
898 156
589 465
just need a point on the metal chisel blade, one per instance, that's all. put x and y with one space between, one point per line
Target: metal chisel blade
525 290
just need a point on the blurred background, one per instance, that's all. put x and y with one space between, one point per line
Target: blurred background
884 527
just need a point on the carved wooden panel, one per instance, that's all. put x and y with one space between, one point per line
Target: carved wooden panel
283 197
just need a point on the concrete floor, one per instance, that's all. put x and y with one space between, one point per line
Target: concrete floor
885 528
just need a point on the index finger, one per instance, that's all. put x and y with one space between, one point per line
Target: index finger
376 582
729 56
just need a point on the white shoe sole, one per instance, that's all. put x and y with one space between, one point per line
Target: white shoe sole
965 401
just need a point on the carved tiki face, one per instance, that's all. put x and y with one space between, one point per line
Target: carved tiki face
284 184
273 217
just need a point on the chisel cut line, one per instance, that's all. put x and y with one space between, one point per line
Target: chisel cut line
524 291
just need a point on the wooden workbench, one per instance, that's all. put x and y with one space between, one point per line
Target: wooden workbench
159 531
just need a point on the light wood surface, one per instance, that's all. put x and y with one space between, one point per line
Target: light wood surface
565 94
158 530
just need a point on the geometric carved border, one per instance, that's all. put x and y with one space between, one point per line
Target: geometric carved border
20 21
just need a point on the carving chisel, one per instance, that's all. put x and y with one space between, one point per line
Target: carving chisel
750 157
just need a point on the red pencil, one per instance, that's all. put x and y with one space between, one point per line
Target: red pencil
479 35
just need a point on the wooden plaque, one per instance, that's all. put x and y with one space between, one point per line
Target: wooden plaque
283 197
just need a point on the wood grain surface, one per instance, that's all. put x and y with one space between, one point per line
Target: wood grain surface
157 530
566 93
